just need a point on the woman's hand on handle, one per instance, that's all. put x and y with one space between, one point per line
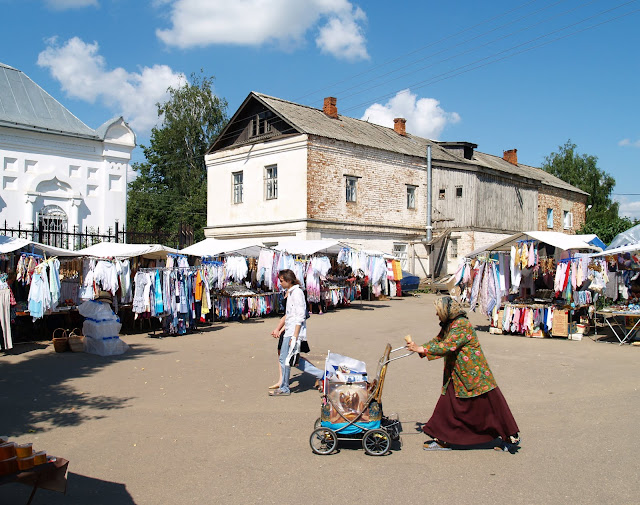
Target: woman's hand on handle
413 347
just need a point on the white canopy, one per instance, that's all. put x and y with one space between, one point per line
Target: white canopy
119 250
10 244
309 247
632 248
554 238
217 247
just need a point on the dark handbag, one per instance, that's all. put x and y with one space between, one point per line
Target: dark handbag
304 346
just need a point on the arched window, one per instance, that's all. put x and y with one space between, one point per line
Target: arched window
52 226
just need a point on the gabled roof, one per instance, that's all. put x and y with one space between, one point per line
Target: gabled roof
316 122
312 121
497 163
24 104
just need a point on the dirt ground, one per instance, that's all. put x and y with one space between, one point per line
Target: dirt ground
187 420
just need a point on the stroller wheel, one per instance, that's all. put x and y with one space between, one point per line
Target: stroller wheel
376 442
318 423
323 441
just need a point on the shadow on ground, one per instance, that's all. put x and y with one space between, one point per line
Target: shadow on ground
37 396
80 489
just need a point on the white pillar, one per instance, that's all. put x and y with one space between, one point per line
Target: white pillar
29 214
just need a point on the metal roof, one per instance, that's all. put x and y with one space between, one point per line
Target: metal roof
24 104
315 122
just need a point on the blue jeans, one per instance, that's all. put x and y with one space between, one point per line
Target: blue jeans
303 366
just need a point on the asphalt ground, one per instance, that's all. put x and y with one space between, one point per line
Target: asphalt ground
187 420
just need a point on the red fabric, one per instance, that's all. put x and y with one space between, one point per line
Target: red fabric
471 421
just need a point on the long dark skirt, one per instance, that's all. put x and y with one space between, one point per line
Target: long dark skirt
470 421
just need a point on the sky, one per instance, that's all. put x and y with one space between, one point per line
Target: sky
504 74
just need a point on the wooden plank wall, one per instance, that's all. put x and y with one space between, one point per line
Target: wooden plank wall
462 210
505 204
487 202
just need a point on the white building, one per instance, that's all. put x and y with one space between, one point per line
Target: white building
281 170
57 173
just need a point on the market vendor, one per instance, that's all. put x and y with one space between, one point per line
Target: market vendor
471 410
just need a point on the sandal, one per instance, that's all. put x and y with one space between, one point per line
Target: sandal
279 392
435 446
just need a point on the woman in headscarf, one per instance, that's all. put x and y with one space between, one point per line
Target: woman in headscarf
471 410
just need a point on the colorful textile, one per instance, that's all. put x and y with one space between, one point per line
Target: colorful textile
465 363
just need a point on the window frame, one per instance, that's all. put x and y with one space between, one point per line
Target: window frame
271 182
453 243
351 190
567 214
411 196
442 194
237 187
549 216
459 188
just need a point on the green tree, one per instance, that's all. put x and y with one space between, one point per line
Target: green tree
581 171
171 187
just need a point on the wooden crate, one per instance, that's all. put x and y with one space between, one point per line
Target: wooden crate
560 323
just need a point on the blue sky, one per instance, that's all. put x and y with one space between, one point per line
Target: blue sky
503 74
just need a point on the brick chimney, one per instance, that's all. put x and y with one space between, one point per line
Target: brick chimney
511 156
399 125
330 108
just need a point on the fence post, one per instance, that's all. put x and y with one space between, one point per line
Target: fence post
117 231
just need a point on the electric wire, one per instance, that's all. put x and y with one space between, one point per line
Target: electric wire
393 60
459 70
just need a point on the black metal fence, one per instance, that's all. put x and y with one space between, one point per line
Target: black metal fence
79 239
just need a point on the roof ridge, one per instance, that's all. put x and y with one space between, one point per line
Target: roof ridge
410 135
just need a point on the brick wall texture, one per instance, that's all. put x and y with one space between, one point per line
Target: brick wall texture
560 201
382 179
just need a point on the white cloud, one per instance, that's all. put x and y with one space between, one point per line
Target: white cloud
628 208
425 118
343 37
629 143
83 74
257 22
70 4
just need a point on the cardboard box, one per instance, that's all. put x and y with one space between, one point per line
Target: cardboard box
560 323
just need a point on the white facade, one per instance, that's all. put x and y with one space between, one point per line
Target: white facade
82 182
276 218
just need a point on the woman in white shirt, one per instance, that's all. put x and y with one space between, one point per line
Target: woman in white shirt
295 331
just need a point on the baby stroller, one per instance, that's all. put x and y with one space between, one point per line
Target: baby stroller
352 408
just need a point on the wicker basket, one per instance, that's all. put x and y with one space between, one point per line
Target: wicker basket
60 340
76 340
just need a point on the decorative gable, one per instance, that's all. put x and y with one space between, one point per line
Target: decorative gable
254 121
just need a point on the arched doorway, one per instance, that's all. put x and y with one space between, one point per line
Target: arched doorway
52 226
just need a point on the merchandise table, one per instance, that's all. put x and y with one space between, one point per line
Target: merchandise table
52 475
612 318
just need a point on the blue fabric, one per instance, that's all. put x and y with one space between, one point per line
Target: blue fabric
352 429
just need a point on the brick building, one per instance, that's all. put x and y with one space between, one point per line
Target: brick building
281 170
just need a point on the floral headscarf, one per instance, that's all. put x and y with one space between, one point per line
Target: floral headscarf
448 309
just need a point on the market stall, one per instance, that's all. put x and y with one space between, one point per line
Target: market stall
534 283
114 267
622 313
36 283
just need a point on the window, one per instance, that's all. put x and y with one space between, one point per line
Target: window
52 224
351 188
411 197
458 191
441 194
400 252
271 182
453 248
567 220
260 124
550 218
237 187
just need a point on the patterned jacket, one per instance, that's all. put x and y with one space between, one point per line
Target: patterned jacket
464 361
